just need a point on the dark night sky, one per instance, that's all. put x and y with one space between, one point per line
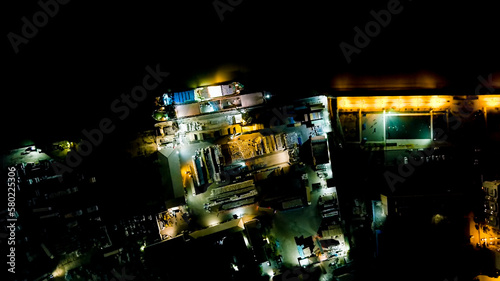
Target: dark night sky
66 77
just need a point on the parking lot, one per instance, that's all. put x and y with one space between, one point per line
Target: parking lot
172 222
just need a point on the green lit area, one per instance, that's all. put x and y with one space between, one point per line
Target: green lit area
408 127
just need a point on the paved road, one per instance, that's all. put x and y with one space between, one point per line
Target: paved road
196 202
287 224
297 222
204 218
16 156
268 160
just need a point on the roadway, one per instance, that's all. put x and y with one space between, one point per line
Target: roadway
196 201
293 223
202 217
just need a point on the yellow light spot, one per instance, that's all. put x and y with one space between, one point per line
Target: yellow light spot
437 102
416 102
492 102
59 272
399 103
381 103
215 91
344 103
362 104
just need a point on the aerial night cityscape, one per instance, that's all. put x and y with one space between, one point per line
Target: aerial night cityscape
248 140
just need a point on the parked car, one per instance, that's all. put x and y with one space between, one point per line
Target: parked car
74 214
92 209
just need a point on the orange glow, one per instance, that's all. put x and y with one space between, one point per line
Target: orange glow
486 278
221 74
422 103
492 101
344 103
186 174
420 80
399 103
416 102
381 102
251 128
437 102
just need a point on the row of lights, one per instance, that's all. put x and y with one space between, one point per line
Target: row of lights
492 101
411 101
389 102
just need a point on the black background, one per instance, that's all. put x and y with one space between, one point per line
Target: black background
65 78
